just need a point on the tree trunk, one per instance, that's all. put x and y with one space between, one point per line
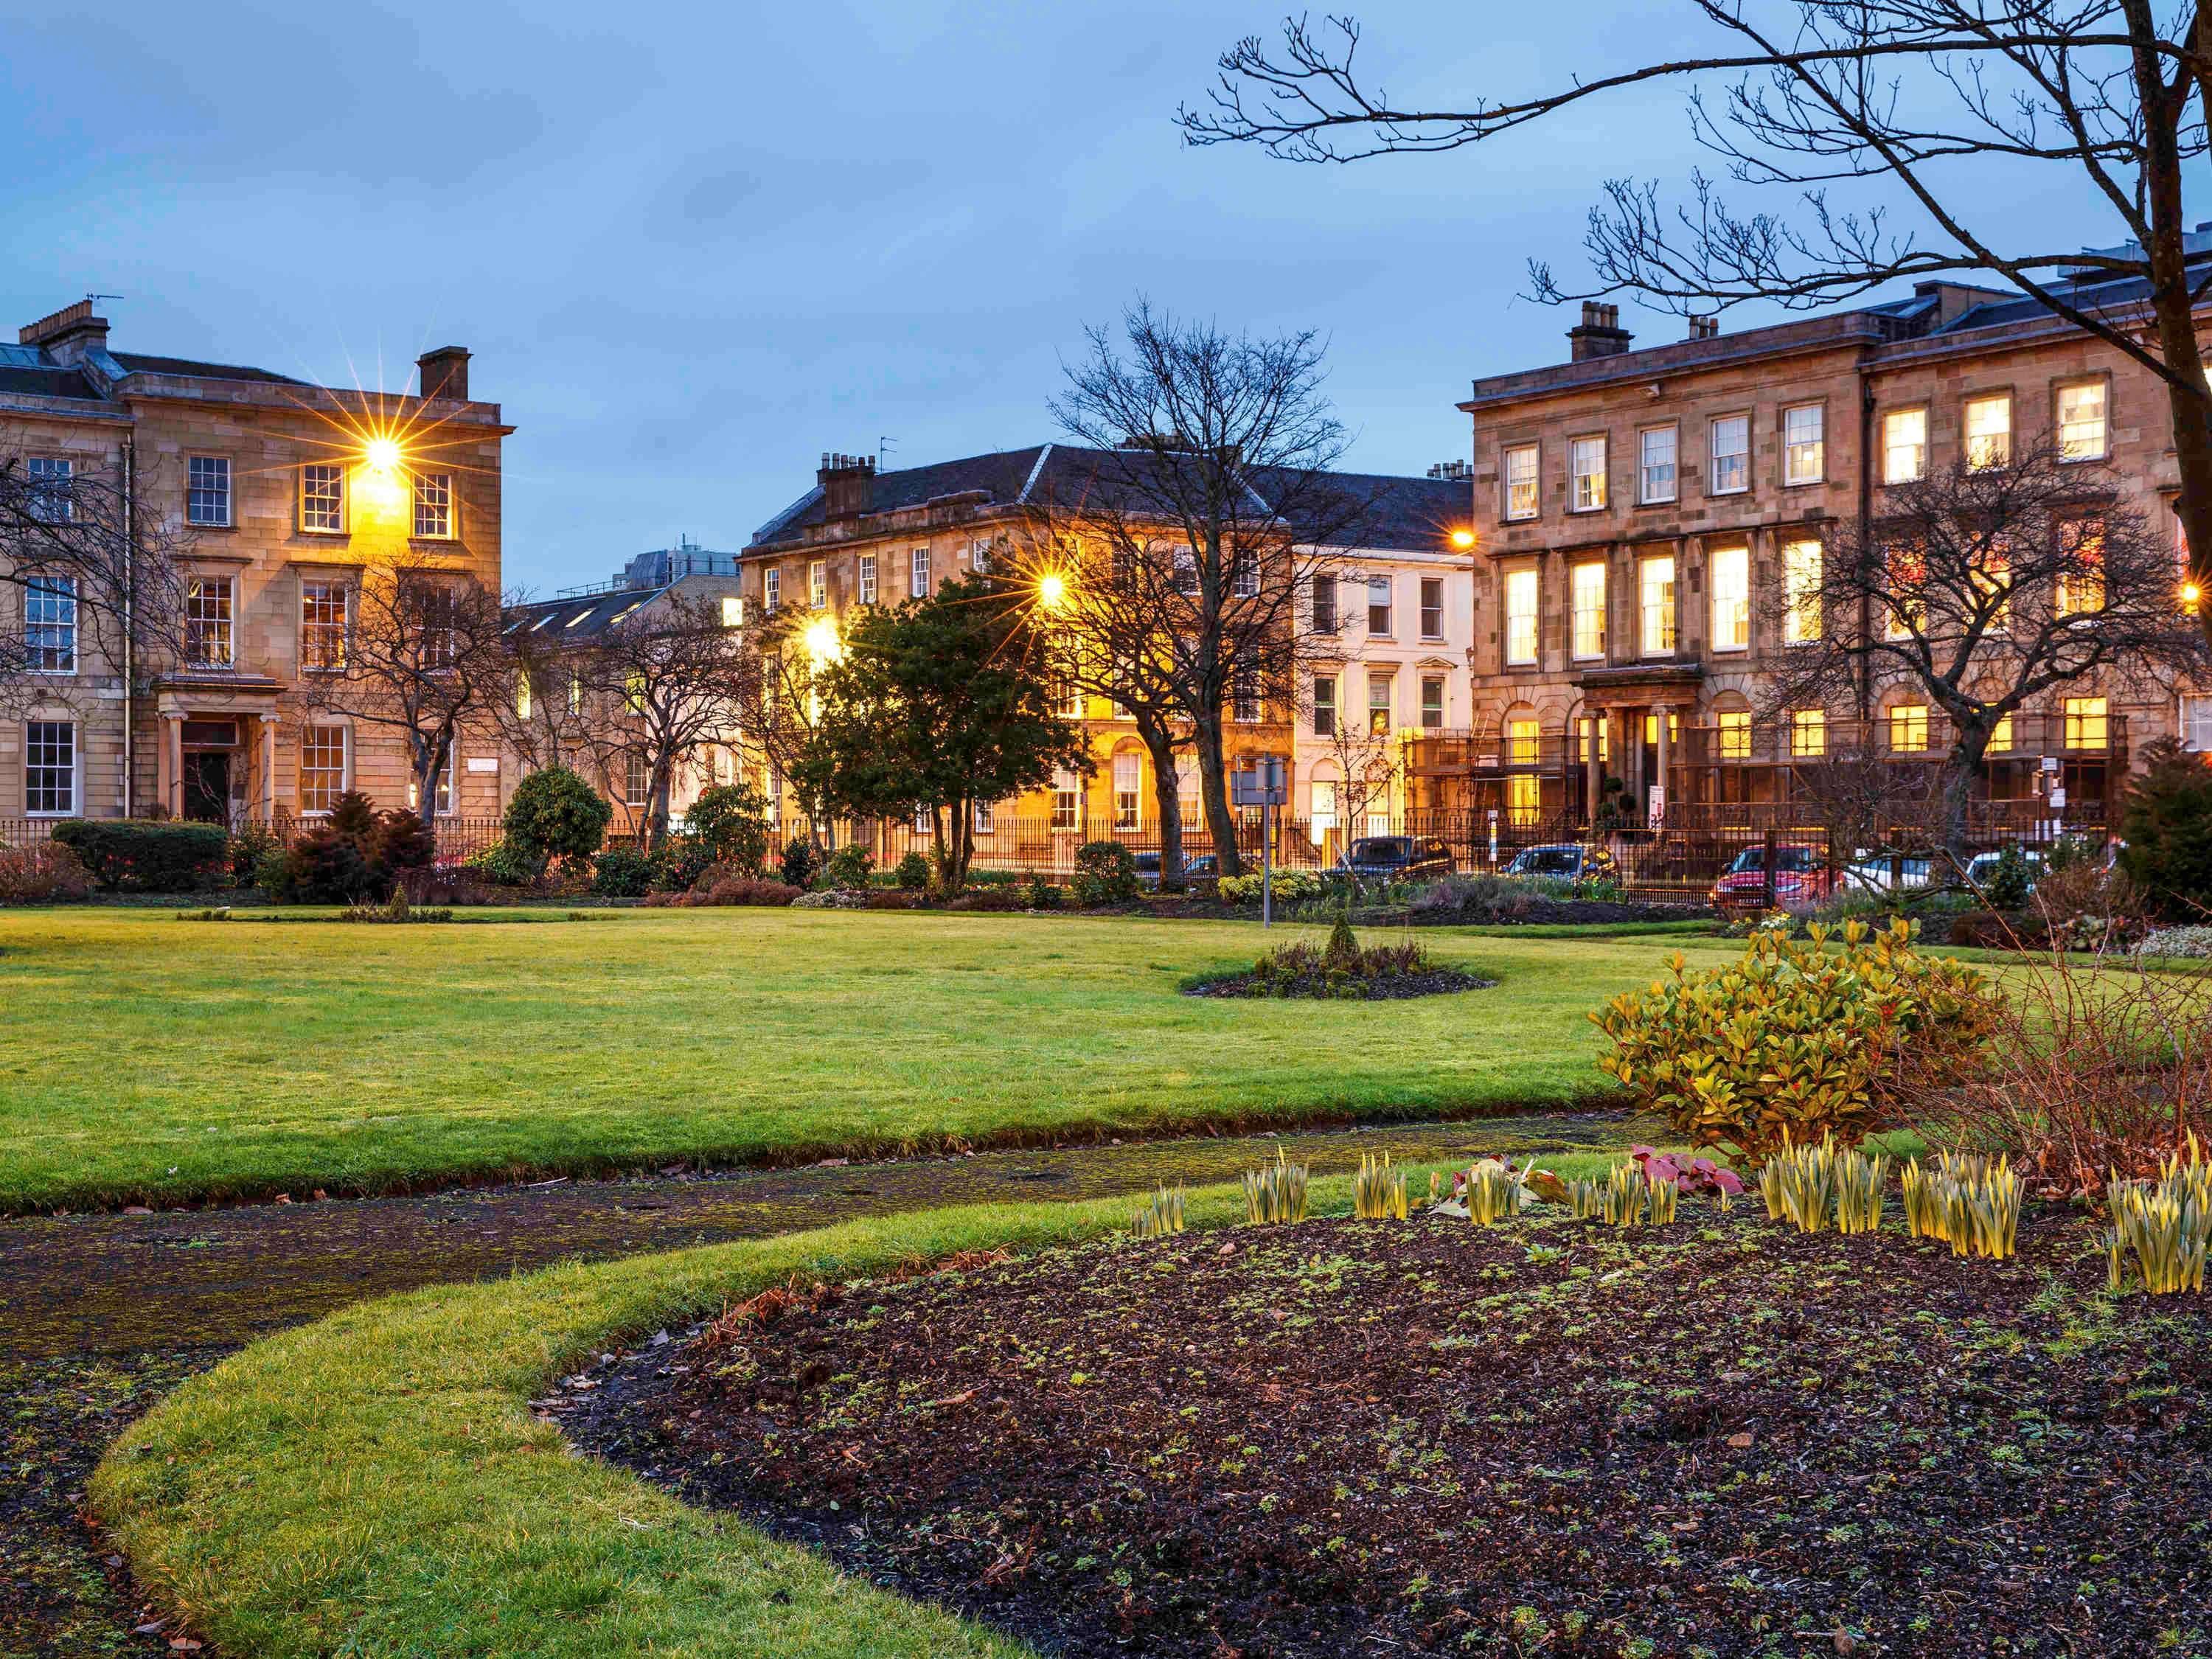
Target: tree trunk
940 855
1213 794
1167 801
1961 772
2173 297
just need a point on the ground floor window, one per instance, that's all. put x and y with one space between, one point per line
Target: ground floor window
322 767
1908 728
2196 724
1582 739
1808 732
637 781
1734 734
1523 737
1067 800
1524 795
50 768
987 818
1324 807
2087 723
1128 773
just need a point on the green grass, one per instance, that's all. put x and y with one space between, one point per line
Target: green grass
148 1059
375 1484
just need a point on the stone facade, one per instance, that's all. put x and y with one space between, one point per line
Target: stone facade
222 455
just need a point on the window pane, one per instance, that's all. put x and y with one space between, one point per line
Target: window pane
322 499
1804 449
207 641
322 767
1433 704
1324 705
50 498
1731 454
50 766
50 623
1801 593
1521 601
1735 728
1432 608
1988 431
917 572
1904 445
434 505
1379 605
1378 704
1731 580
1658 607
2082 421
2087 723
1808 732
207 490
1586 470
322 625
1655 468
1324 605
1908 728
1521 482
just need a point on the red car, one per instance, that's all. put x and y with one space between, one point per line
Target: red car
1802 880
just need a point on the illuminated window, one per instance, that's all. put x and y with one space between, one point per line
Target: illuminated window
1586 588
1128 776
1523 739
1728 454
434 506
50 768
1524 799
733 610
1324 808
1735 727
1804 444
1066 799
1808 732
522 702
441 788
1908 586
987 812
1658 607
209 641
1988 431
867 578
207 490
1378 705
1586 474
1729 570
2081 567
1432 608
50 624
1992 572
1520 480
1904 446
2082 421
1801 593
322 499
322 626
2000 736
1521 600
817 584
1651 728
51 497
1324 705
1908 728
322 767
1433 704
2087 724
1655 464
917 572
1583 740
771 590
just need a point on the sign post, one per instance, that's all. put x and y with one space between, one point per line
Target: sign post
1265 784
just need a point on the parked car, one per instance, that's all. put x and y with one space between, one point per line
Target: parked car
1397 858
1567 860
1802 880
1194 865
1880 873
1984 866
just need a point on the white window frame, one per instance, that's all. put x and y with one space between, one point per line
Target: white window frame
344 624
987 818
1067 800
344 768
1805 450
1659 619
1586 474
1801 621
637 781
918 573
1996 445
1525 618
1730 620
47 503
225 625
817 584
1381 585
867 578
57 595
1433 585
979 555
771 590
1520 482
1382 716
1588 645
432 498
1129 791
1658 480
323 511
2193 722
1326 712
1737 460
2074 449
1900 449
1443 687
72 773
212 485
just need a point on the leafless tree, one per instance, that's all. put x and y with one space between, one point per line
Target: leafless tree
1920 98
542 719
1370 765
780 712
1215 505
660 687
424 655
1984 588
91 582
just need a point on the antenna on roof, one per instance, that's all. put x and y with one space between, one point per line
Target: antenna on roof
94 299
882 444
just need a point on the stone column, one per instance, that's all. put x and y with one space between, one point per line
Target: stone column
169 765
1666 748
268 768
1593 768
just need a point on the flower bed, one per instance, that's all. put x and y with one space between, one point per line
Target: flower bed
1344 969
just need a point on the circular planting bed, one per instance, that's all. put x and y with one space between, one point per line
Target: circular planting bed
1718 1436
1343 969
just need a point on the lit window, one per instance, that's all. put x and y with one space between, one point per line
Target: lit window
1658 607
50 768
323 766
2087 724
207 490
1066 799
1809 734
2081 567
1988 431
434 506
1586 474
1524 799
1730 453
1521 619
1992 573
1432 608
1525 737
2082 421
1432 703
1655 464
1730 573
1735 728
1583 740
322 625
1378 705
1907 580
1324 705
1804 447
817 584
51 496
1324 807
208 643
771 590
1651 729
1904 446
2000 737
733 610
1379 605
979 556
322 499
1801 593
1520 474
50 623
1129 777
522 702
1324 605
637 780
1908 728
987 812
867 578
1244 694
2197 723
1586 589
918 573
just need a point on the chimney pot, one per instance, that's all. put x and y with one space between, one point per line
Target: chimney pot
1704 328
1600 333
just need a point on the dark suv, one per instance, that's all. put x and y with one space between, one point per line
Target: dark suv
1569 860
1398 857
1194 865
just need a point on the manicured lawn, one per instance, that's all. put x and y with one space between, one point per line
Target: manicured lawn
148 1059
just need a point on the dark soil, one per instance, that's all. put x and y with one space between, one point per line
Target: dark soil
1551 912
1386 988
1720 1437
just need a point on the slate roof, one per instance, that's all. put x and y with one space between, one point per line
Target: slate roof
575 620
138 363
28 371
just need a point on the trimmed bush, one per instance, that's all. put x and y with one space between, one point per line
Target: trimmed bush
727 890
1800 1039
730 820
400 840
1289 887
555 814
2166 822
800 862
847 867
146 855
251 845
503 864
1105 873
622 873
912 873
678 864
44 873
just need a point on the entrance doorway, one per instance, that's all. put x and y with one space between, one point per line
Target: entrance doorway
207 785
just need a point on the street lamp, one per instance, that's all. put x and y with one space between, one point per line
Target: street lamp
1462 539
383 454
1052 591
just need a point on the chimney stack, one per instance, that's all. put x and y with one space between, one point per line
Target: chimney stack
444 374
847 484
1600 333
69 335
1450 470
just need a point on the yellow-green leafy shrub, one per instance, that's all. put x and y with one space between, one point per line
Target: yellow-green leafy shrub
1799 1040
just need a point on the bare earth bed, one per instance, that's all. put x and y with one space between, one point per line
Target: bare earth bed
1716 1438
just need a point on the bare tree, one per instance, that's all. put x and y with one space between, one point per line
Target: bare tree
1369 765
660 686
780 709
1215 503
91 581
542 719
1983 589
2100 97
424 655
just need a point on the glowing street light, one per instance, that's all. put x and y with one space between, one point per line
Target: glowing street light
1462 539
383 454
1052 591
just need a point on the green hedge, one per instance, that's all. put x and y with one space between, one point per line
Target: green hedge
145 855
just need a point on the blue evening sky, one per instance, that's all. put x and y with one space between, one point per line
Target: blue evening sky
693 246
